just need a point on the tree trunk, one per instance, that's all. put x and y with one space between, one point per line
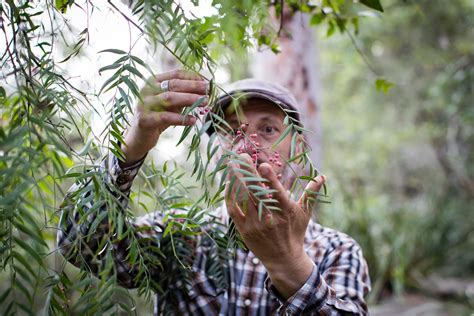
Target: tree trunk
296 68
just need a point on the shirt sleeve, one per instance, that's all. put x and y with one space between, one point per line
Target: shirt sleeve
85 231
336 288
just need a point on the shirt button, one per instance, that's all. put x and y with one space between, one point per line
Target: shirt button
255 261
247 302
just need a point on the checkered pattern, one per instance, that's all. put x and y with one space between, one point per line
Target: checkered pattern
337 285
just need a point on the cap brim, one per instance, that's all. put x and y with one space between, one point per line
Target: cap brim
224 101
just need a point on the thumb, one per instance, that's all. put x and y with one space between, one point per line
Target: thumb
308 198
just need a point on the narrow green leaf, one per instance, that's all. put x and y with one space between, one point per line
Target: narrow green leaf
84 150
185 133
114 51
283 136
109 67
373 4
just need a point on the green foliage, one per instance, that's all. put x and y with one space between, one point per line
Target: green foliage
383 85
401 163
47 144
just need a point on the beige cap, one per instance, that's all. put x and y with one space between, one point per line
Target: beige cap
261 89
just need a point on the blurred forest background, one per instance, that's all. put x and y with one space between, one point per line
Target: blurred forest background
401 164
398 153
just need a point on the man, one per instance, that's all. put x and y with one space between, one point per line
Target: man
292 265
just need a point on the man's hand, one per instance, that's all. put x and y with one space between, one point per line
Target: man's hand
159 110
277 239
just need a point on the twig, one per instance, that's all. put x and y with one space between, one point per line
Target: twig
281 18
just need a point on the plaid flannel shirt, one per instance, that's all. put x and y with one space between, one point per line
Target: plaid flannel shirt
337 285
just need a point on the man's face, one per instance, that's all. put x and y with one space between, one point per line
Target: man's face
257 127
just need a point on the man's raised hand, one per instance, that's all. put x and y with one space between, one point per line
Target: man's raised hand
157 110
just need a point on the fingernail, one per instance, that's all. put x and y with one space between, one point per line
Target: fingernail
264 170
318 179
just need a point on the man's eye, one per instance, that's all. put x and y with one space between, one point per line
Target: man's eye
269 129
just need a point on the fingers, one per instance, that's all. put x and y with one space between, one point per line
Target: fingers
176 85
280 193
190 86
237 187
171 101
177 74
231 199
308 198
165 119
249 175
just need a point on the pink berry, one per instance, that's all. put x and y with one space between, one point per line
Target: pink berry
271 159
253 136
279 176
277 155
201 112
206 110
279 164
257 144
